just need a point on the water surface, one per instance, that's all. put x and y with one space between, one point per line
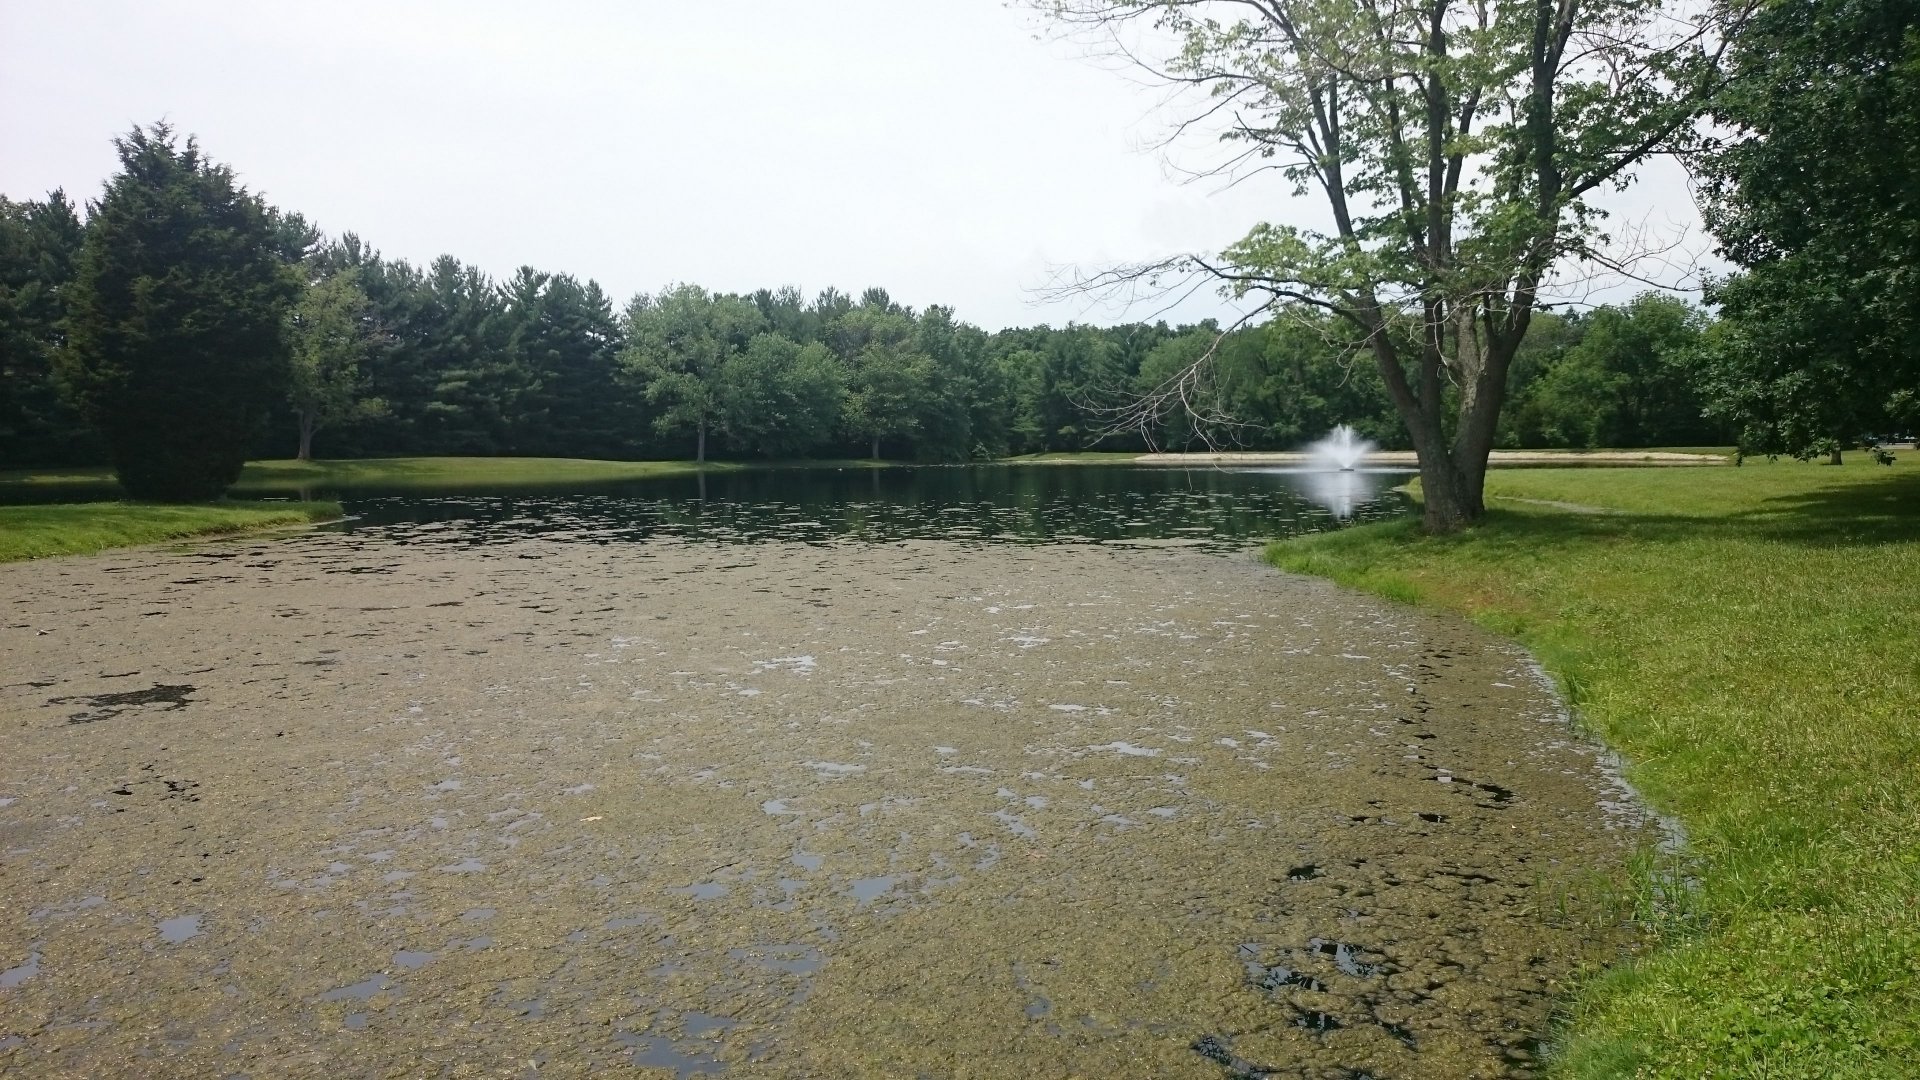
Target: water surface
945 772
1217 509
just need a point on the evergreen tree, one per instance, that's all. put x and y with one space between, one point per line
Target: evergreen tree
561 338
176 345
39 244
471 406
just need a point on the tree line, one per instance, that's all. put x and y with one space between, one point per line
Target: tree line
184 324
324 345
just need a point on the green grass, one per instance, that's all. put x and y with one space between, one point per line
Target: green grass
455 472
441 473
1073 457
35 532
1750 639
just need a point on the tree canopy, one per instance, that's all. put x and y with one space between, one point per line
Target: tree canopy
1456 145
176 340
1815 194
390 358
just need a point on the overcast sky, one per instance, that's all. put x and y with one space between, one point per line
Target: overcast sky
947 151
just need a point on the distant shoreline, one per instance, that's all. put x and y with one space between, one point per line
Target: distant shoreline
1406 457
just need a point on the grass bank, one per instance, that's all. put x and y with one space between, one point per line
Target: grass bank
36 532
1750 639
438 473
457 472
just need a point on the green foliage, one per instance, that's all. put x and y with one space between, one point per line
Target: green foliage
1457 148
332 332
39 243
1619 377
889 389
390 359
777 398
678 345
561 345
1303 374
1743 636
176 343
1815 195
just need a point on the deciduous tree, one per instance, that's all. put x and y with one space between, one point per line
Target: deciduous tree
1455 146
333 332
678 344
1815 193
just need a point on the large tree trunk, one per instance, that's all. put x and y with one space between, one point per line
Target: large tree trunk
1450 497
307 425
700 454
876 448
1453 474
1833 456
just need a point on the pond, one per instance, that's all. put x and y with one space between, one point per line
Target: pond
1216 509
995 772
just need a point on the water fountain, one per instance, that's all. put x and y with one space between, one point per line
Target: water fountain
1343 450
1332 477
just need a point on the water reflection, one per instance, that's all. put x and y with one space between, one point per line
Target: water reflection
1341 492
1219 509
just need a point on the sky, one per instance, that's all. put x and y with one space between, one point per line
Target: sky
957 153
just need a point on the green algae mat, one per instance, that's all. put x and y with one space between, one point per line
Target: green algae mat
399 803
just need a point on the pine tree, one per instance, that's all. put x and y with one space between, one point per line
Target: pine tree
39 242
176 344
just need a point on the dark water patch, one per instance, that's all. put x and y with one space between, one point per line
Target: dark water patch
1315 1021
1218 509
1276 978
1401 1033
1345 957
106 706
1219 1050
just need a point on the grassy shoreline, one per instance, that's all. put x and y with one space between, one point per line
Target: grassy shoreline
1746 637
458 472
45 530
439 472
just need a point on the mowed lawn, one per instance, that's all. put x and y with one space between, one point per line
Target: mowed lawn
445 473
1749 638
35 532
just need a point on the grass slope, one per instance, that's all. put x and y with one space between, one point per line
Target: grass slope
1750 639
454 472
440 473
35 532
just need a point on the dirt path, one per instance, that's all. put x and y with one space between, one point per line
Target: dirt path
330 806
